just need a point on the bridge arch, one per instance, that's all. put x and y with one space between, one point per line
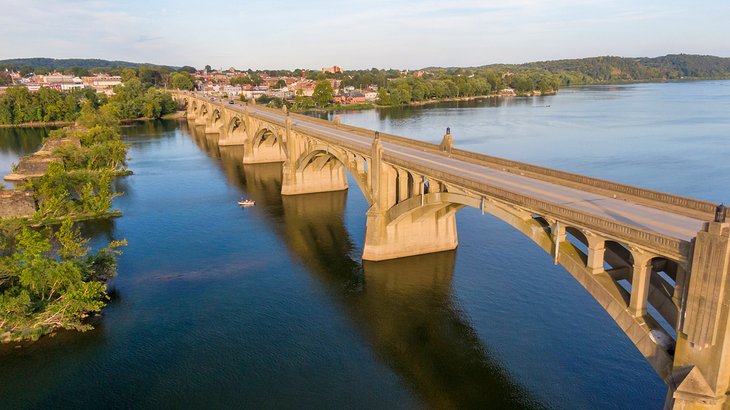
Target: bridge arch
214 122
235 126
201 116
325 168
265 146
645 308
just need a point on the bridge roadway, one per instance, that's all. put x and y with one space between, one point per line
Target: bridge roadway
640 216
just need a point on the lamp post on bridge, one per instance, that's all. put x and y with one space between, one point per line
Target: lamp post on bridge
720 213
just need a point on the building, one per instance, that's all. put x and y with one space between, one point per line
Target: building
57 78
334 69
102 83
350 98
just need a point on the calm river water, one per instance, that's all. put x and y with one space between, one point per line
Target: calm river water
271 307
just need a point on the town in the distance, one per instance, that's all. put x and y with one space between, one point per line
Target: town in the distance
337 88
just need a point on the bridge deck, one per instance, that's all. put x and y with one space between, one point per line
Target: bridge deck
630 213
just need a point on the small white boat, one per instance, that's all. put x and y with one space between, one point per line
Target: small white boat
246 202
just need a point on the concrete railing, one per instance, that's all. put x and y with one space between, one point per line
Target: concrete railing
678 204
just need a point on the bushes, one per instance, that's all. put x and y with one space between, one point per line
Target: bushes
49 280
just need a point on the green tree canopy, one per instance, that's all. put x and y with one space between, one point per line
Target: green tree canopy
323 93
182 81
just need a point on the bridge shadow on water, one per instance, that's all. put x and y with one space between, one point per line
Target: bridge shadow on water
404 309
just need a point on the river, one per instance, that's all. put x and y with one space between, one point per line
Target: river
271 307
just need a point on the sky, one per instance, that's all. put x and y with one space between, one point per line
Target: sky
359 34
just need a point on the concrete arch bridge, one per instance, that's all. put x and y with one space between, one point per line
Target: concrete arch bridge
656 262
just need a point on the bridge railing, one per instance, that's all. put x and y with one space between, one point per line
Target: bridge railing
674 248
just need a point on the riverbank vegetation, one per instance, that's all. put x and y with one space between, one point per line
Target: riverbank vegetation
137 97
50 280
79 186
18 105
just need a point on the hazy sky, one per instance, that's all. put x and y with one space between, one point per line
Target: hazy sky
359 34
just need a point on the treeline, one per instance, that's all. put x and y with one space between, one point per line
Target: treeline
134 98
79 66
621 69
18 105
471 83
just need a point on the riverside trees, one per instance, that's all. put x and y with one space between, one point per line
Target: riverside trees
18 105
135 98
80 185
50 280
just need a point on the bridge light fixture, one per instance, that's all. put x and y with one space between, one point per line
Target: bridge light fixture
720 213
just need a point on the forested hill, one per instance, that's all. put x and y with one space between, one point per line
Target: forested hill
68 63
616 69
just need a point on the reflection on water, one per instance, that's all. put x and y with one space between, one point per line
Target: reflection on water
16 143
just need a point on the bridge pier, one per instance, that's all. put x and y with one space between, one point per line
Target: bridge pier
426 229
412 235
701 373
325 176
262 151
237 138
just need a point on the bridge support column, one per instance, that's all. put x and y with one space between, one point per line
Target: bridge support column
262 152
701 373
236 138
596 252
410 236
427 229
331 177
640 279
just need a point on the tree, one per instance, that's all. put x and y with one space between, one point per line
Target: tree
128 74
150 76
79 71
280 84
323 93
182 81
50 281
208 69
240 80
